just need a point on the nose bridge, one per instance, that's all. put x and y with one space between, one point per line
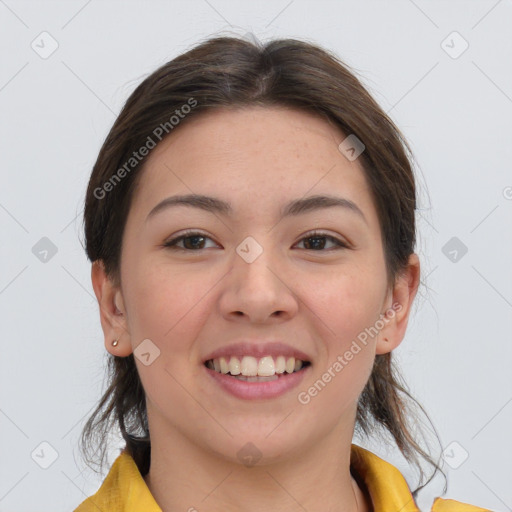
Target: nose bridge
255 287
253 262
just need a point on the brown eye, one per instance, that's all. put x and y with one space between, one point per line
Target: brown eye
191 242
318 242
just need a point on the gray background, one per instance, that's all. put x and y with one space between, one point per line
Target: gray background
454 109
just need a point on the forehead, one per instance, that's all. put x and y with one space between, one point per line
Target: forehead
265 154
248 130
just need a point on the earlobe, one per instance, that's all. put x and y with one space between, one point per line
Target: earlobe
112 312
399 306
118 347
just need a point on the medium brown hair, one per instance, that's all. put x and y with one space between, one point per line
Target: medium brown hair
233 72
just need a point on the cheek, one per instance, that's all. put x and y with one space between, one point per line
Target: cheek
169 308
164 299
349 302
348 306
343 371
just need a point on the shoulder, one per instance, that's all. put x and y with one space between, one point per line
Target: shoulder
123 490
388 488
445 505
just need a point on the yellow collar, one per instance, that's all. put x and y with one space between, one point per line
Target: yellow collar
124 489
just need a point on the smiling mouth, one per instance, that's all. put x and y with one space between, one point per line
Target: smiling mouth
251 369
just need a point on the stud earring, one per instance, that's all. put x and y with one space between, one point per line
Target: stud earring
115 342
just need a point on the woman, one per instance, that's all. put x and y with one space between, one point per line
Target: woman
250 220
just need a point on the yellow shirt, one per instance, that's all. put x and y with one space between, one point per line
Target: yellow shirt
124 489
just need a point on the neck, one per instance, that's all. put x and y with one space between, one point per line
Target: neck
184 476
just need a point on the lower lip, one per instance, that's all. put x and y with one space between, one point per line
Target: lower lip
258 390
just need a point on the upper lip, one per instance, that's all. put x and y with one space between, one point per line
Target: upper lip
258 349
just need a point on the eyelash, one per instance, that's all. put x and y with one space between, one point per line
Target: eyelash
172 244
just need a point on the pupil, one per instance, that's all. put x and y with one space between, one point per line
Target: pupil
192 246
317 244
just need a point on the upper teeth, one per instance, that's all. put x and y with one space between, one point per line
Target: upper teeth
250 366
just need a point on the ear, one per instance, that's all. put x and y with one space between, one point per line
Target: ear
112 311
398 307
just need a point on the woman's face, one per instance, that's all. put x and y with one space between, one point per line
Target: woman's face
266 272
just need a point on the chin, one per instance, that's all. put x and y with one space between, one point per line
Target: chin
258 446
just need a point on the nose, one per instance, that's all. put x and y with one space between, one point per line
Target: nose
258 292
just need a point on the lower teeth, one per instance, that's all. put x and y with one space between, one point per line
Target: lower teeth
256 378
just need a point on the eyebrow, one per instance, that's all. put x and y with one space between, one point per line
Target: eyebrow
295 207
